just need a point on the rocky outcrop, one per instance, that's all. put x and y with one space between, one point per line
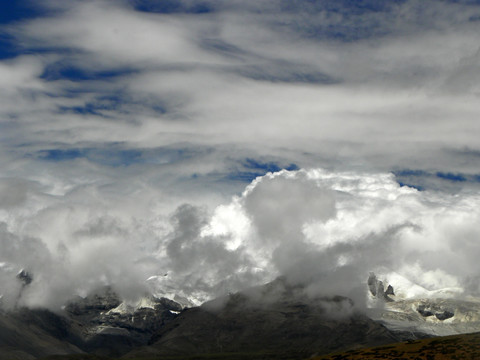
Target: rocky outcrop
389 290
111 327
432 309
377 288
425 312
25 277
444 315
372 283
99 324
101 300
431 316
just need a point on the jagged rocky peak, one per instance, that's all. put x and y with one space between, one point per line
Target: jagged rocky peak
100 300
377 288
424 310
372 283
106 300
427 310
444 315
389 290
24 277
106 323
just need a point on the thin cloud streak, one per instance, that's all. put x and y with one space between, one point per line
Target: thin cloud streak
394 90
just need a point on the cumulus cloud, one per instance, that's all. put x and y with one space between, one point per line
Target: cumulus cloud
326 230
280 207
350 224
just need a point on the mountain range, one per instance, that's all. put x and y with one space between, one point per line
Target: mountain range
278 320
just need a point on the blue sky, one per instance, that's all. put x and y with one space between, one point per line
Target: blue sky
128 110
335 50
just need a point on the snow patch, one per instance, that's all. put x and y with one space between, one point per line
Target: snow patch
126 308
406 289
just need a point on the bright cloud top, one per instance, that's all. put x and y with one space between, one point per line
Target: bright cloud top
334 228
325 229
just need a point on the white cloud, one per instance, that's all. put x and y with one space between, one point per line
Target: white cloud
326 228
113 35
196 95
395 91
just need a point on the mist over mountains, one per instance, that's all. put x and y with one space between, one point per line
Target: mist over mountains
327 229
355 263
191 149
276 319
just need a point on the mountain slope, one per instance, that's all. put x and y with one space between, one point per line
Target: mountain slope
409 307
21 339
466 346
274 321
277 319
99 324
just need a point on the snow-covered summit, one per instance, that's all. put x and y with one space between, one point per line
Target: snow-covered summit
405 289
403 305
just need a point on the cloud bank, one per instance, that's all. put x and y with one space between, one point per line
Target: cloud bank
324 229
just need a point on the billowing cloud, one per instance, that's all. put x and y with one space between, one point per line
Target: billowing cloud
327 230
349 224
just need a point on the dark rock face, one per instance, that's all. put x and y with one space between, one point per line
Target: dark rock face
105 331
390 290
377 288
372 284
88 325
424 312
25 277
444 315
440 313
101 300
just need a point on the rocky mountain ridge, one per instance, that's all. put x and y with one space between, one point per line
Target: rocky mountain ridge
278 320
436 313
98 324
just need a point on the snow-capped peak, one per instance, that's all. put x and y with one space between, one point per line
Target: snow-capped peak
406 289
129 308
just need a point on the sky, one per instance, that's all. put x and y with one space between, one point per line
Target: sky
199 147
